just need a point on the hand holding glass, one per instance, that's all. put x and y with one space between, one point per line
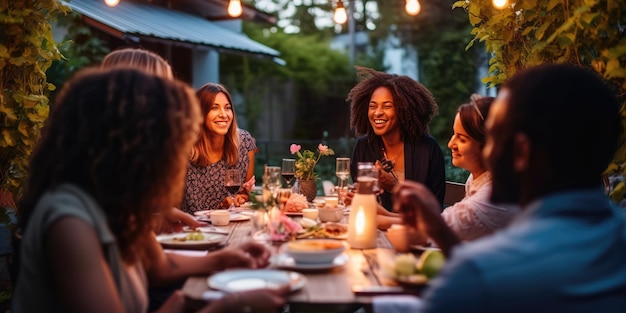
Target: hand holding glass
232 182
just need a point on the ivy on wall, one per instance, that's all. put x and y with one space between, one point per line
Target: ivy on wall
27 50
589 33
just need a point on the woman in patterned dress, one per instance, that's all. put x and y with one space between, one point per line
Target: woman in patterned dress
221 146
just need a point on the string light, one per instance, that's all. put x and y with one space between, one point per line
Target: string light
499 4
112 3
340 16
413 7
234 8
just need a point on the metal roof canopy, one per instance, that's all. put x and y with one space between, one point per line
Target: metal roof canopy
136 21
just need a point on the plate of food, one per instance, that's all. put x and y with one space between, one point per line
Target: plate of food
295 204
243 280
191 240
325 230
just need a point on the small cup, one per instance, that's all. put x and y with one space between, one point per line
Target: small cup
330 214
310 213
220 217
332 202
398 238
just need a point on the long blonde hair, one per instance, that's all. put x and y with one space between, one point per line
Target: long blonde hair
200 152
138 58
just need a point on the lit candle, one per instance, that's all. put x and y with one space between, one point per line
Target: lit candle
362 223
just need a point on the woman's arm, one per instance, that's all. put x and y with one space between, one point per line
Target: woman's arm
167 268
82 276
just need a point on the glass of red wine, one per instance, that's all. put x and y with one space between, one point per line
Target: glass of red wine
288 171
232 182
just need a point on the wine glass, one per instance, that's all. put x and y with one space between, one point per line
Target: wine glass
342 170
288 171
232 182
273 179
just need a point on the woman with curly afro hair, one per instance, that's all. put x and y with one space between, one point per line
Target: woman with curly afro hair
391 113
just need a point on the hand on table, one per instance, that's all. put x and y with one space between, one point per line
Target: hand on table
247 255
173 220
420 208
240 199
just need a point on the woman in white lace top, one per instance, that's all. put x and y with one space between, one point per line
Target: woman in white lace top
474 216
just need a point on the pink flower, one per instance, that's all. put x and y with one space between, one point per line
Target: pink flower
294 148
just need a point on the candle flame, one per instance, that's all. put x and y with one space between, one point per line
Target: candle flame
360 221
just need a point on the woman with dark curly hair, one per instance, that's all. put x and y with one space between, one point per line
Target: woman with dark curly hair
113 153
393 113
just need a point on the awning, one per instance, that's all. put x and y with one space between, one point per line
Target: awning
138 21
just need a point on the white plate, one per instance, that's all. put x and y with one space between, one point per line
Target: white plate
284 261
234 217
210 240
242 280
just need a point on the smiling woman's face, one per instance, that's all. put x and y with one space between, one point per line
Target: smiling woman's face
466 152
382 112
220 115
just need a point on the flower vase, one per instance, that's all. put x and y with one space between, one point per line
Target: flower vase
308 188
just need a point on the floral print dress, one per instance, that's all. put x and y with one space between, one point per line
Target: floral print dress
204 188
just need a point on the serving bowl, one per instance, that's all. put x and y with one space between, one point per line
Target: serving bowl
314 250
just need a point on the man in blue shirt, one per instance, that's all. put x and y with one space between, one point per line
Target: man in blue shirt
550 134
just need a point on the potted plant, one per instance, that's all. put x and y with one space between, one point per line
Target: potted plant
305 168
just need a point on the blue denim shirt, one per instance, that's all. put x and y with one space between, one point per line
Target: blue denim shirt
564 253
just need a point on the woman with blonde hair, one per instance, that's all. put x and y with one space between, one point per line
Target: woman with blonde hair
138 58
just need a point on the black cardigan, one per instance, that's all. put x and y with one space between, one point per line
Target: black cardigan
423 162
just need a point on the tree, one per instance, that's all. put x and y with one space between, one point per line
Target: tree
590 33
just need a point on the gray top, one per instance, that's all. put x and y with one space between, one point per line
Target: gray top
35 290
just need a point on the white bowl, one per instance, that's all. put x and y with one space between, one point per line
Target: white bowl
327 214
314 250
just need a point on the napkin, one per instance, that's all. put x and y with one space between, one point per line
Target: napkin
396 304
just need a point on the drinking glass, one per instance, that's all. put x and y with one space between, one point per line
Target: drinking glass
232 182
342 170
273 179
288 171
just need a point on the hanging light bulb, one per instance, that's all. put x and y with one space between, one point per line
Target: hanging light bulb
112 3
340 16
234 8
499 4
412 7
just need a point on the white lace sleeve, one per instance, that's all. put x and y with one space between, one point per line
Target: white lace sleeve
474 216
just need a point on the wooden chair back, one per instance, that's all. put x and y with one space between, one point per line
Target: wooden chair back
454 193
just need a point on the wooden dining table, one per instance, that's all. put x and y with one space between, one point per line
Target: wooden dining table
329 290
